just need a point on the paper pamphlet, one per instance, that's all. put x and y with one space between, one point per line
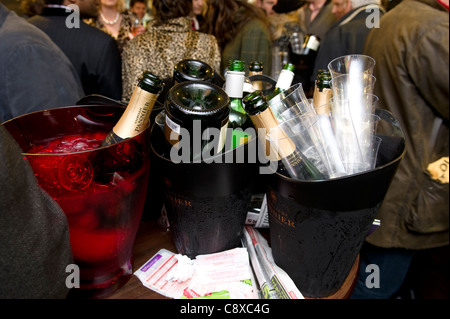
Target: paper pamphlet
272 280
221 275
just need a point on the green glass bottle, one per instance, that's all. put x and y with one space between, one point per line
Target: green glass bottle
239 120
196 106
322 91
296 164
135 118
310 45
284 80
192 70
256 67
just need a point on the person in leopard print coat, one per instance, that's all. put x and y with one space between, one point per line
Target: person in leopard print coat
169 39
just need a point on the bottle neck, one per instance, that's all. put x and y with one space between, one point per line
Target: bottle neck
136 115
255 103
284 80
236 105
250 73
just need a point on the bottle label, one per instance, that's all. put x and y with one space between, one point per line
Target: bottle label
111 138
294 159
223 134
234 85
283 145
321 99
136 116
257 85
174 129
170 127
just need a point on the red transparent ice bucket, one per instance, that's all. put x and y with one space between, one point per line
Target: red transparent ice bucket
101 190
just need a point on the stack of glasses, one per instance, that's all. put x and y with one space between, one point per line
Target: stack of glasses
338 138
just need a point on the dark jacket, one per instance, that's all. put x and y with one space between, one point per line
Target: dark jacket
411 50
251 43
34 73
93 52
34 234
347 36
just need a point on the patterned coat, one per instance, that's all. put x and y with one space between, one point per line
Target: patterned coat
161 47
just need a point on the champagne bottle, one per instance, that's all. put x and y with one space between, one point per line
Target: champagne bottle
322 91
284 80
192 70
297 165
256 67
196 106
234 87
135 118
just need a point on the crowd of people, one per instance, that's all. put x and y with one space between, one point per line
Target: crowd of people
55 52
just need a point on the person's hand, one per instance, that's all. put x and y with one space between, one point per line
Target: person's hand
136 30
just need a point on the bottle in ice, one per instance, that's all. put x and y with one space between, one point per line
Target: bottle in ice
296 164
239 120
135 118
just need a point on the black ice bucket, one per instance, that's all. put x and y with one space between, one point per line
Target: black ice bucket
206 203
317 228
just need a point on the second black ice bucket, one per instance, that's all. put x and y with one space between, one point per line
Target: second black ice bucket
206 204
317 228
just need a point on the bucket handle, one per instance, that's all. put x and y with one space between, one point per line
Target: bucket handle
389 118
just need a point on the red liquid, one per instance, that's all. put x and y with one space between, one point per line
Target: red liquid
102 192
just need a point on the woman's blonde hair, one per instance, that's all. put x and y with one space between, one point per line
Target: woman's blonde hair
121 6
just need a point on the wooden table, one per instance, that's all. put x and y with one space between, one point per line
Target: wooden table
151 238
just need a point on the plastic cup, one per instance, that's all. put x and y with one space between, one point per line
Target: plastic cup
317 228
367 104
332 153
372 154
292 97
355 63
353 86
301 133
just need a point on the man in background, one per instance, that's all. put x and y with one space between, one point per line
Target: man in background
93 53
34 235
411 246
35 74
139 9
267 6
347 36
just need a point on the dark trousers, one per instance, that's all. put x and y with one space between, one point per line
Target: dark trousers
402 273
